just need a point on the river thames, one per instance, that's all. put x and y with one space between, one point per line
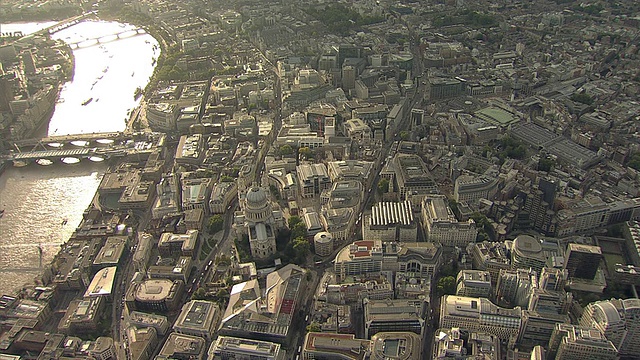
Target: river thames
43 205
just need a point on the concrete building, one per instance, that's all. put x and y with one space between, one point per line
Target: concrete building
357 130
529 252
111 253
390 221
226 347
313 179
82 316
473 283
490 256
168 199
172 269
479 314
394 315
441 225
349 170
452 343
323 243
179 346
155 295
198 318
190 150
514 287
570 342
142 253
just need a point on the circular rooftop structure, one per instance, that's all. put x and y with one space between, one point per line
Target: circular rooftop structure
527 244
256 198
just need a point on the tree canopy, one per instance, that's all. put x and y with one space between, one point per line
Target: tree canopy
215 223
446 286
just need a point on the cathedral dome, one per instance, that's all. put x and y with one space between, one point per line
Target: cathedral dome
256 198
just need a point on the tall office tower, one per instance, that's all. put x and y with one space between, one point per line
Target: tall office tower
417 118
582 261
348 78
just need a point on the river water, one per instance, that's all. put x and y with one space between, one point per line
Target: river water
43 205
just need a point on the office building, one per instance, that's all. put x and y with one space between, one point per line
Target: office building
198 318
530 252
412 177
334 346
479 314
313 179
373 256
399 345
264 314
227 348
179 346
441 225
323 243
394 315
142 342
618 320
454 343
514 287
473 283
171 244
471 189
570 342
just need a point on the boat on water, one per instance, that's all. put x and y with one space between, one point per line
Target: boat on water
87 101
